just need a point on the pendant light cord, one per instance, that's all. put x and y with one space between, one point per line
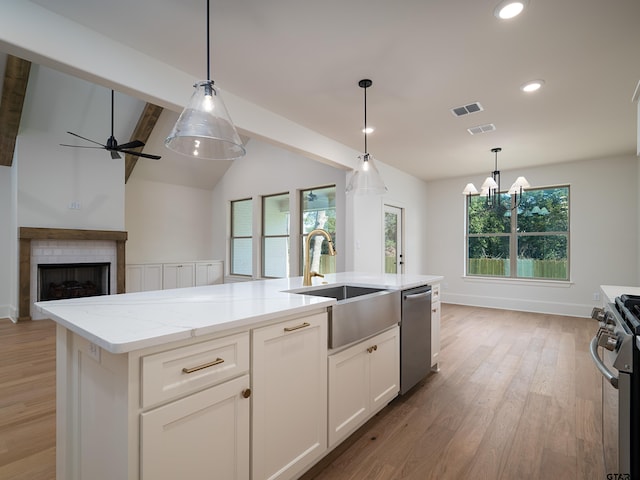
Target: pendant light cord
111 113
208 47
366 151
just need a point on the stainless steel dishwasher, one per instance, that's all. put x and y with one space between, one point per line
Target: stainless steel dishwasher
415 337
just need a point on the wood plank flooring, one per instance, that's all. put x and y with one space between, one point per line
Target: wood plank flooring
517 397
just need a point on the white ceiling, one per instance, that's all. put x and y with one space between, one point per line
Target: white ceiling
303 59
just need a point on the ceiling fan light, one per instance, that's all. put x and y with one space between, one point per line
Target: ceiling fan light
204 128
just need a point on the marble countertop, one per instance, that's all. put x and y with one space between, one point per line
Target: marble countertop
612 291
131 321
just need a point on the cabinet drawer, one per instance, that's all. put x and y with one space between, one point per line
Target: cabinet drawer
435 293
177 372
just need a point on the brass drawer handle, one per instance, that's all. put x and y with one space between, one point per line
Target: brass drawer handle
246 393
372 349
297 327
217 361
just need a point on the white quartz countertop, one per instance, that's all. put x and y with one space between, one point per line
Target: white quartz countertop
126 322
612 291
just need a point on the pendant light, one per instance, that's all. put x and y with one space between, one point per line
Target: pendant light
366 179
491 187
204 129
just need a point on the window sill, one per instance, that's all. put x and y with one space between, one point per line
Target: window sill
520 281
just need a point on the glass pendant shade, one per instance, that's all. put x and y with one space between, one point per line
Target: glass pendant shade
366 179
204 128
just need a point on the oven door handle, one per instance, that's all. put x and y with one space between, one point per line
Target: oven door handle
606 373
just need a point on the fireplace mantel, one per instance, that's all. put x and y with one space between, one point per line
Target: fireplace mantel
27 234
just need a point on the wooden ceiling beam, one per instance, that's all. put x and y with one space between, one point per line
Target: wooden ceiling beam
146 123
14 88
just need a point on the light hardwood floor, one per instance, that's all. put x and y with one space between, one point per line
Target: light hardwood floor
517 397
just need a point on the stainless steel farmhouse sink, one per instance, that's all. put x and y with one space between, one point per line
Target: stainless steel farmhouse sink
359 313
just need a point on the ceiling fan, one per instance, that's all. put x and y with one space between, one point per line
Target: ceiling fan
112 145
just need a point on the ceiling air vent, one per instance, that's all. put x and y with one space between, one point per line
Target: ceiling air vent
488 127
467 109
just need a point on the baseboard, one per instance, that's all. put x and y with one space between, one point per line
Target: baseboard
519 304
7 311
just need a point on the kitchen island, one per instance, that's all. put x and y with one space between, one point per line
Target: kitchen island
175 383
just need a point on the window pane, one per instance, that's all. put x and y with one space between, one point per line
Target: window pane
241 256
489 256
484 219
276 257
318 210
543 256
544 210
276 215
241 215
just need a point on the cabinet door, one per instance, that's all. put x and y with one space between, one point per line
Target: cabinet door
209 273
152 277
134 278
348 392
178 275
289 399
204 435
435 335
384 370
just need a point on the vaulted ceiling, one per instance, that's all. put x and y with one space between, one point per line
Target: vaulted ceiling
303 59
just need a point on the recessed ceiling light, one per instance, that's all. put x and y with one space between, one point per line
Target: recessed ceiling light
532 86
509 9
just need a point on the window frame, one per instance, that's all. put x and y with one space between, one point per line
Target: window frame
234 237
303 235
514 235
264 236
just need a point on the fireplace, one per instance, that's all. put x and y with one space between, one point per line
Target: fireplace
56 246
73 280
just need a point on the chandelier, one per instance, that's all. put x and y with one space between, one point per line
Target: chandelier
490 189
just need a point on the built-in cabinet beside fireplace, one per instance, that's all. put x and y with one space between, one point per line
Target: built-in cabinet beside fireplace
144 277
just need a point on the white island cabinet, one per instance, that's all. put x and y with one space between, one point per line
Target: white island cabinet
230 381
289 368
363 379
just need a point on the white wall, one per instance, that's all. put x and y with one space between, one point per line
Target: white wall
167 223
603 243
8 262
365 224
265 170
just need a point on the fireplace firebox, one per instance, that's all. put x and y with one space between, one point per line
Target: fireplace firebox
72 280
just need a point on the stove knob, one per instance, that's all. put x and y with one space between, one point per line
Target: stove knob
607 340
609 319
598 314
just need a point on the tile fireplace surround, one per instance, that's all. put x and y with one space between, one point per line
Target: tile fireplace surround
30 237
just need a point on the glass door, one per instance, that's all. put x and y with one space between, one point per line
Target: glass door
392 254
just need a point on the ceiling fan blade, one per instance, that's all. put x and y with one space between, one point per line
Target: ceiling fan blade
115 154
80 146
134 144
143 155
85 138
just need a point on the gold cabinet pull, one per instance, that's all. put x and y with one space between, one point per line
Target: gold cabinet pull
297 327
372 349
246 393
217 361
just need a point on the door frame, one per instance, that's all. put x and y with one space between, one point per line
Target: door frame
400 256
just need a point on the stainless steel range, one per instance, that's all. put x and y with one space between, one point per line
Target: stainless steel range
615 350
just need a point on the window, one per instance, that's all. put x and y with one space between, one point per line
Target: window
275 239
318 210
241 237
530 241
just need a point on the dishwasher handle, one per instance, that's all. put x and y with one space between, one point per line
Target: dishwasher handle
417 296
606 373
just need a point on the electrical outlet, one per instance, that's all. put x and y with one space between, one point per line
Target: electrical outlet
596 296
75 205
